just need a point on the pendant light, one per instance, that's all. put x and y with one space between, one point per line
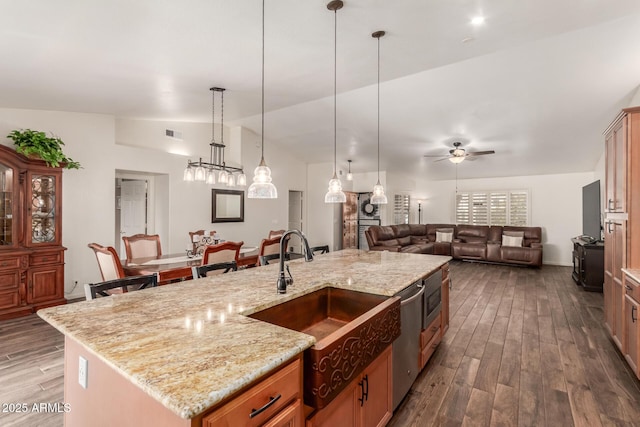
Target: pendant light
262 188
349 174
335 193
378 197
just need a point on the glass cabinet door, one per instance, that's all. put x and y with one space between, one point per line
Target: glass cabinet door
43 208
6 205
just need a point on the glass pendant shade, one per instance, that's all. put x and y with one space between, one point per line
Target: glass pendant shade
199 174
211 177
231 181
335 193
456 159
188 174
222 177
242 180
349 176
378 197
262 188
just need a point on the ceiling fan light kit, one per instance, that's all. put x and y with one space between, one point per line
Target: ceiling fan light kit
262 187
378 197
458 154
335 193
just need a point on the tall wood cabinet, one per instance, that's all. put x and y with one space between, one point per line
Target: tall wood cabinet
350 221
31 251
622 219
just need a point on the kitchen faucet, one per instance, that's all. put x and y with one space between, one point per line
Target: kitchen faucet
283 281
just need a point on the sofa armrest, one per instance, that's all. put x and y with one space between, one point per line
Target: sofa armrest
456 241
493 242
536 245
385 248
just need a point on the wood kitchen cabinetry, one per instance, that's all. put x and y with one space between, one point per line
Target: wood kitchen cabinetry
350 221
621 229
275 401
630 329
365 402
31 251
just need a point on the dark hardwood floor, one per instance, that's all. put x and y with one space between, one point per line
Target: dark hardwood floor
525 347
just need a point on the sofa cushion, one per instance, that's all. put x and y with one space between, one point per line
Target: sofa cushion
401 230
513 233
418 239
431 230
418 230
391 242
404 241
531 234
380 233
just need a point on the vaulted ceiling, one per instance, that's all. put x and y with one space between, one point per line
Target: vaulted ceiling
538 82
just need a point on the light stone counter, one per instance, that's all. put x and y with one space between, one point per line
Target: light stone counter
189 345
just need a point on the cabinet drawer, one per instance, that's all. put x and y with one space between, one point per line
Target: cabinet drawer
428 350
45 258
427 334
631 287
10 262
9 281
281 387
9 299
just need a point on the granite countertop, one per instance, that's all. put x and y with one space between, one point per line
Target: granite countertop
189 345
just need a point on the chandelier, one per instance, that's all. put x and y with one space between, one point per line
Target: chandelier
206 171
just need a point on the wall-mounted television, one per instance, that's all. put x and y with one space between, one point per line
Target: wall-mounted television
591 225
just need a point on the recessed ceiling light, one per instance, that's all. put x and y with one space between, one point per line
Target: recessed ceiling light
477 20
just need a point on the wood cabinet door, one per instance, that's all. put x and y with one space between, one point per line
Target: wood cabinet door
344 410
291 416
618 315
631 332
45 284
377 408
610 162
620 170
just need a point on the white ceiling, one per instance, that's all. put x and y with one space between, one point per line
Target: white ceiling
538 82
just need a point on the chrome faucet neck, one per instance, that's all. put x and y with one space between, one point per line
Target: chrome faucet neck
283 281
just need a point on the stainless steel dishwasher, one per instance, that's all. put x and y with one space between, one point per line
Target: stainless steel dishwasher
406 348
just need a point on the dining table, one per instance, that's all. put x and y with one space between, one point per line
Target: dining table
177 266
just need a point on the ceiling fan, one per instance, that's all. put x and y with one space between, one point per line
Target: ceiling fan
458 154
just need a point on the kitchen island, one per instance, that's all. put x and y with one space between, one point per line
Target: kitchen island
190 346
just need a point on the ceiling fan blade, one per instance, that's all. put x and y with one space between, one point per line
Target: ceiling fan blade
433 155
480 153
444 158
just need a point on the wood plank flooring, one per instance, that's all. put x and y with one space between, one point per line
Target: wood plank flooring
525 347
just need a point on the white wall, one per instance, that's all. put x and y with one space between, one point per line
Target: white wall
89 193
321 217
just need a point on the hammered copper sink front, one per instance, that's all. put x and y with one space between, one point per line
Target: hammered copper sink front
351 328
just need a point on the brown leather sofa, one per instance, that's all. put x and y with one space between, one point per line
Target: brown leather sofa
467 242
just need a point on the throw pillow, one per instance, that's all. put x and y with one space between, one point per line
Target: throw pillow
511 240
442 236
514 233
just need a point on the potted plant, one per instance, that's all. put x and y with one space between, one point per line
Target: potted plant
49 148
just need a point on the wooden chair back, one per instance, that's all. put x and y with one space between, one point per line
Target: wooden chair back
271 247
264 259
222 252
126 284
196 236
142 246
108 262
211 269
275 233
320 249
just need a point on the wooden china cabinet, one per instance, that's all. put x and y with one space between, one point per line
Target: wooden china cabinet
31 251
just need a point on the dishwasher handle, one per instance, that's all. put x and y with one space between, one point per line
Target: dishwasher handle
413 297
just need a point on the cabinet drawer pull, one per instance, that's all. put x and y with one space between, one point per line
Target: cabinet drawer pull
610 201
627 287
633 310
272 400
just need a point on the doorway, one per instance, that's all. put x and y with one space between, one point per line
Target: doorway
295 220
133 207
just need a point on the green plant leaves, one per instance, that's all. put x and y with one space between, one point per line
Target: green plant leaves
49 148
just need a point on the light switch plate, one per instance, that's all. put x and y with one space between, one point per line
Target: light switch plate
83 371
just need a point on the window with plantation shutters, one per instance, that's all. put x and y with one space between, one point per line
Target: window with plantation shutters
509 207
400 209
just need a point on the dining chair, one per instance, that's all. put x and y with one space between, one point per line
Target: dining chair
211 269
142 246
264 259
275 233
108 262
196 237
271 247
126 284
222 252
324 249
